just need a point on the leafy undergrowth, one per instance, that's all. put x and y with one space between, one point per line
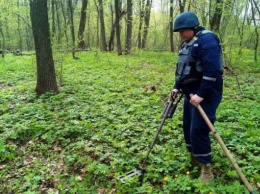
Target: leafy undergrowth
102 122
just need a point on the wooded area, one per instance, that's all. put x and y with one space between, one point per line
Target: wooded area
146 24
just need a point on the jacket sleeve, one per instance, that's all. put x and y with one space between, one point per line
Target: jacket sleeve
177 86
209 54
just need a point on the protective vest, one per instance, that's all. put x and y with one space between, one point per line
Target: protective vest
189 69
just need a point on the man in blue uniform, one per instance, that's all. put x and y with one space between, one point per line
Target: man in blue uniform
199 72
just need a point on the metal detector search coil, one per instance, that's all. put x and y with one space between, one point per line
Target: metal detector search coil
135 172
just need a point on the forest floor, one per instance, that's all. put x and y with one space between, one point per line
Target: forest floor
103 120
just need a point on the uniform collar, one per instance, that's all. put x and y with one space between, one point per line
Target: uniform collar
198 29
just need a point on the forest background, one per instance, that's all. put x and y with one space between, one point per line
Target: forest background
110 65
84 24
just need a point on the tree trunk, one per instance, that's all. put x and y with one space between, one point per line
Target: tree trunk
82 24
65 22
241 29
29 38
229 10
112 32
19 32
97 35
7 30
204 16
129 27
72 30
53 18
146 21
46 78
58 22
118 5
254 18
171 25
182 4
254 4
141 17
103 46
88 44
215 21
3 41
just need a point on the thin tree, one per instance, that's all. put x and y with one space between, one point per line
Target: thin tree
146 21
3 41
118 6
103 46
65 22
241 27
141 20
254 10
171 26
46 78
254 4
215 21
115 25
97 22
19 31
129 27
113 29
182 4
72 30
82 24
53 17
57 4
89 29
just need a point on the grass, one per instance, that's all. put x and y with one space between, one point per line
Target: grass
101 123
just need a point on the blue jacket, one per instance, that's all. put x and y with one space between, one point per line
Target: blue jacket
207 50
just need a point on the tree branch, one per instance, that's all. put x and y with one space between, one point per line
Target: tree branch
24 20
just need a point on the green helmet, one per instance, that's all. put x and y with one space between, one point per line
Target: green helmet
185 20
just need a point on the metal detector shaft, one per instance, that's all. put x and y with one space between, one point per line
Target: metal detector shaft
154 140
223 146
167 113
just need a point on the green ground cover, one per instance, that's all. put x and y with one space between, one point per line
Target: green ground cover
102 122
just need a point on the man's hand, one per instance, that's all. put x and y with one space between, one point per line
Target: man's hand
195 100
173 93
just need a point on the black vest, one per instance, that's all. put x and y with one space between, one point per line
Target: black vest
189 69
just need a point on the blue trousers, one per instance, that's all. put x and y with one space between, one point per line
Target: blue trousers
196 130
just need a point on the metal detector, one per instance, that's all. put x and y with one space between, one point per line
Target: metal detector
168 112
